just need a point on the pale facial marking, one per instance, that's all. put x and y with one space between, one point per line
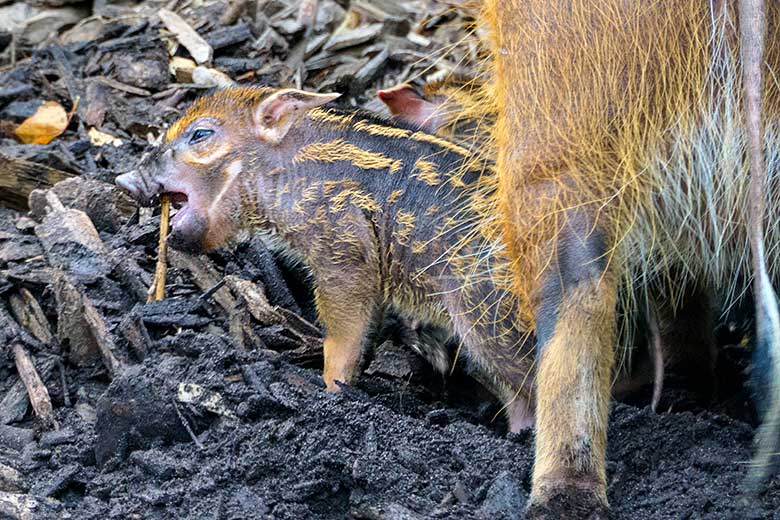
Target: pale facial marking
234 168
217 154
232 171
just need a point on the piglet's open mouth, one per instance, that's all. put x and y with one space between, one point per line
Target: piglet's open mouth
181 208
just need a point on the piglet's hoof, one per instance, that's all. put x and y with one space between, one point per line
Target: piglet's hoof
334 386
569 502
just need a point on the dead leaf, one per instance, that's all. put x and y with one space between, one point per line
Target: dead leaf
191 393
98 138
49 121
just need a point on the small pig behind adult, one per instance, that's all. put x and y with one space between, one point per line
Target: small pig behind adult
382 213
443 108
452 107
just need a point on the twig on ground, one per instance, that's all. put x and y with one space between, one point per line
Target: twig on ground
187 425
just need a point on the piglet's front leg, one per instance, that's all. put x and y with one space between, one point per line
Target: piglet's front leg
342 358
346 300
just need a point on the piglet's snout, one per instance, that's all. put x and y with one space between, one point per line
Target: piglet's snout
138 187
127 181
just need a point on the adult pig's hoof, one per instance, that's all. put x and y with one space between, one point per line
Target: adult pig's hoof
569 502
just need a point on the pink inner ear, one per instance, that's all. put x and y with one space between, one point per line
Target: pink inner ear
275 109
402 100
276 115
406 104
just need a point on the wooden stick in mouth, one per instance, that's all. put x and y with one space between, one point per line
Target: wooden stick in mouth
157 290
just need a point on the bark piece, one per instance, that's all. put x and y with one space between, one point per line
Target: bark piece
207 77
147 70
103 337
123 87
255 299
17 506
11 481
234 10
71 241
240 329
227 36
36 390
18 178
13 406
15 438
71 325
261 310
130 273
106 206
29 314
80 323
254 253
198 48
19 247
350 38
133 329
96 104
182 69
204 275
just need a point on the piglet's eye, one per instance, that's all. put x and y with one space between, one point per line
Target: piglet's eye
200 134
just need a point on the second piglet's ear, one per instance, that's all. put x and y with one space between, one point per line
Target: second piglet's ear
275 115
407 105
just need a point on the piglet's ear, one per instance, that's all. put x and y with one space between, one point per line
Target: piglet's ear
279 111
407 105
